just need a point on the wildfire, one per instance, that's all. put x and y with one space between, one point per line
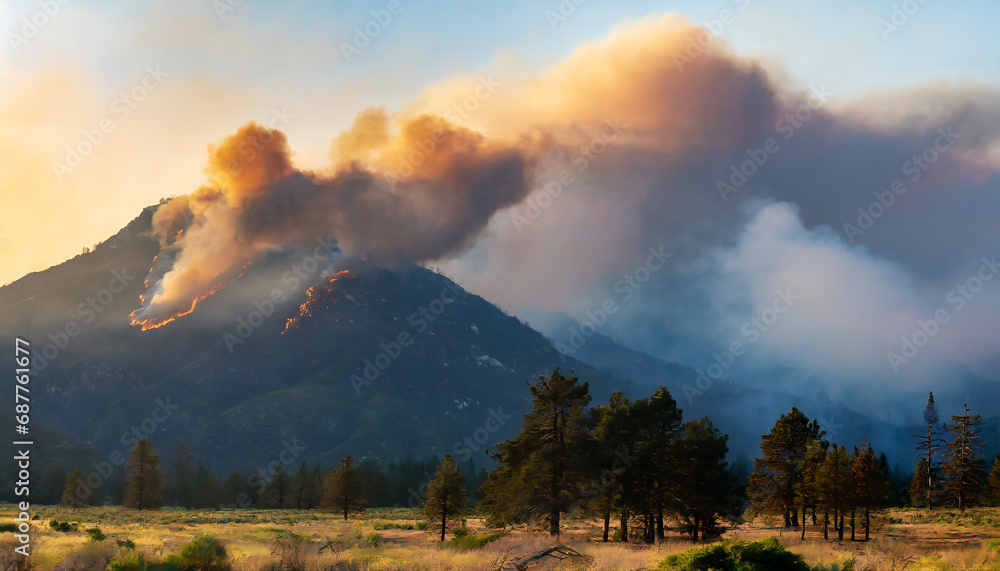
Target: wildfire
315 296
154 323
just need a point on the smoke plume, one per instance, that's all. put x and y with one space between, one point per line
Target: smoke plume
421 192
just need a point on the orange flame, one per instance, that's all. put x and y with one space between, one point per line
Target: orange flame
314 297
158 322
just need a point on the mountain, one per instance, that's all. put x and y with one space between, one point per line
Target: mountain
295 362
370 362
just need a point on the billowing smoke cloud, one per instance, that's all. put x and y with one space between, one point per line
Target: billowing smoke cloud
752 183
417 194
549 192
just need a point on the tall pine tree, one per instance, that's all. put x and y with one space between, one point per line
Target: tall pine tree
965 467
542 470
144 482
929 448
344 489
72 494
776 477
447 498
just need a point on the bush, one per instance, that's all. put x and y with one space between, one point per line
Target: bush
96 534
422 525
57 525
204 553
126 543
5 527
372 540
764 555
127 561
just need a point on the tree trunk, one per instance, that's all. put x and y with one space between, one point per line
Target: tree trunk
852 525
788 518
659 523
624 526
694 533
814 514
930 434
840 527
444 517
826 522
607 522
868 522
803 536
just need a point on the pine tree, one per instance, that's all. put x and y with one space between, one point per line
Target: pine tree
807 490
276 492
966 466
447 497
344 489
181 477
658 421
929 450
918 485
72 495
542 469
994 483
834 485
235 491
611 460
776 477
144 482
871 484
704 487
207 489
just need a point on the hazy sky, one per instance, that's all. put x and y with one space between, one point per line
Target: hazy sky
283 63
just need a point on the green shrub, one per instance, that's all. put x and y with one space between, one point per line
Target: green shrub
96 534
5 527
764 555
62 525
204 553
372 540
127 561
422 525
126 543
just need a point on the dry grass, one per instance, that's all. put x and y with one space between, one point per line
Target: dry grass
914 540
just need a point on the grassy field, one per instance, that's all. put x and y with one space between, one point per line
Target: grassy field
396 539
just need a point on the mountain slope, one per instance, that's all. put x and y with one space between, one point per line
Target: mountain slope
431 364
